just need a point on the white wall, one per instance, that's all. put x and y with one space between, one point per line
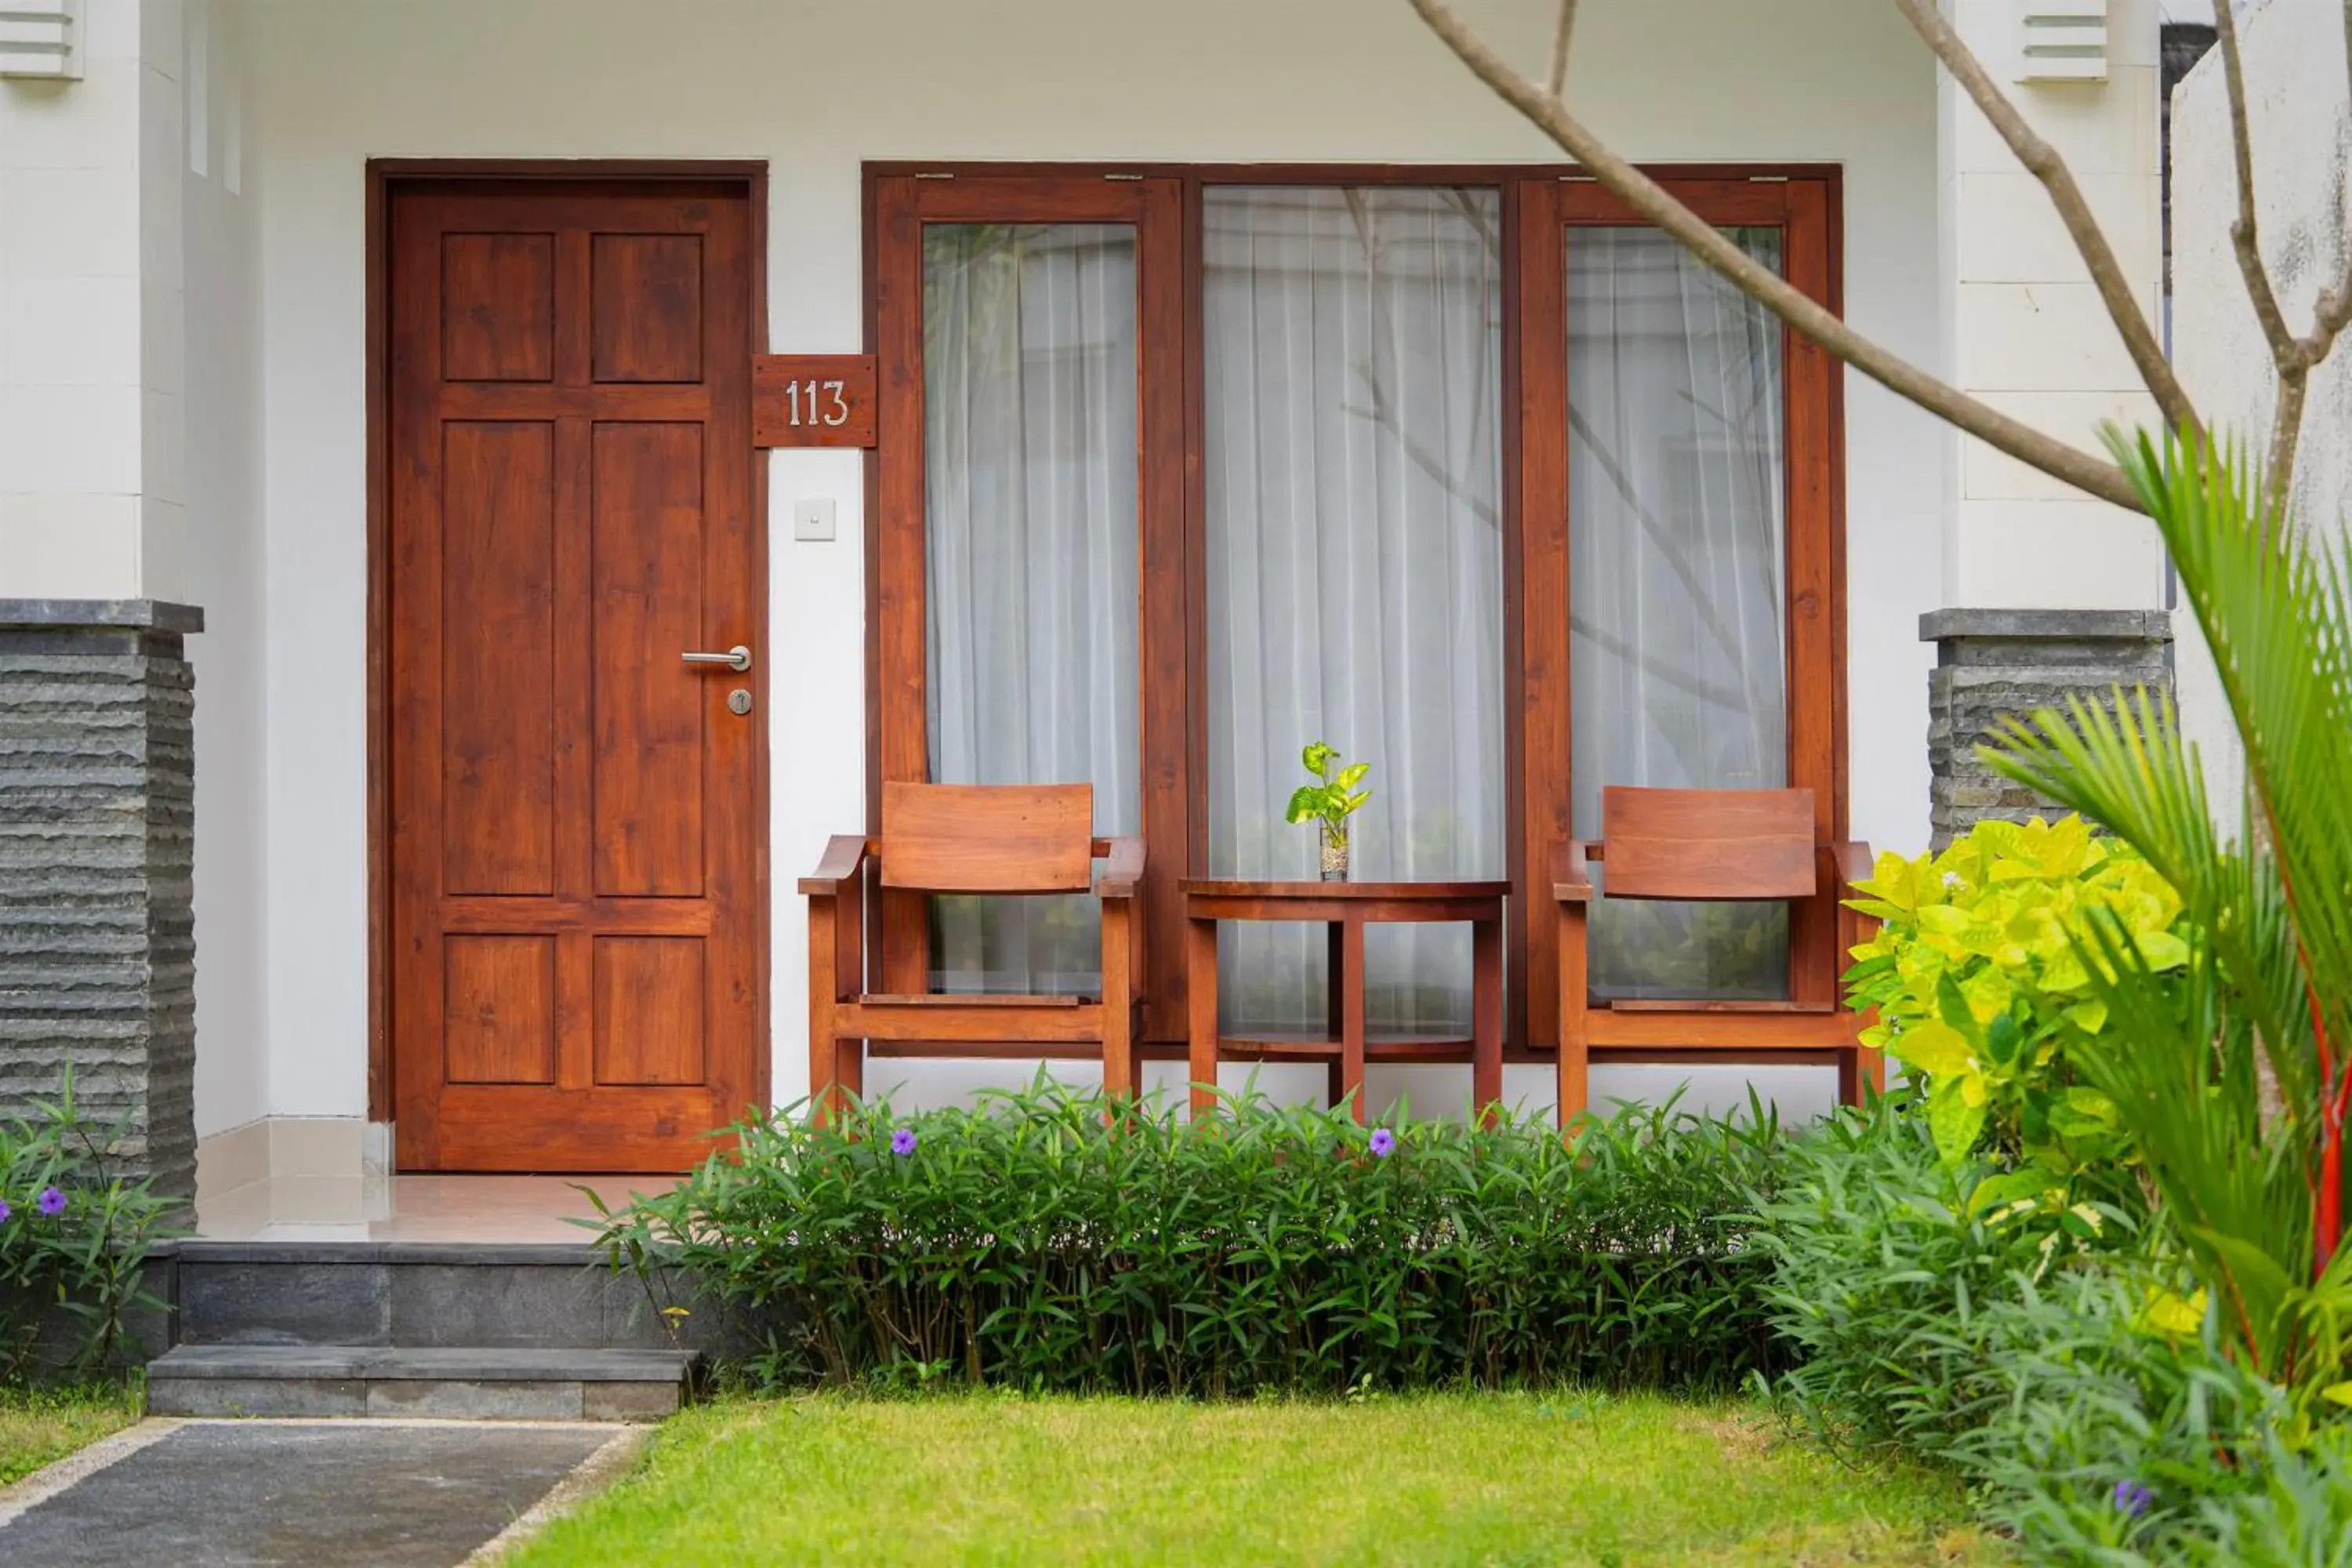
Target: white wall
91 487
816 89
222 212
2031 337
2300 116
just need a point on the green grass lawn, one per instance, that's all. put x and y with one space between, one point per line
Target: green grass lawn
38 1426
1421 1479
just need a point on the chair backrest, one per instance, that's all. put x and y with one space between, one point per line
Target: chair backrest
988 839
1709 844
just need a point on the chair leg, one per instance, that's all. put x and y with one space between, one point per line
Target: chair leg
1860 1068
848 1075
1575 1049
836 1066
1118 1000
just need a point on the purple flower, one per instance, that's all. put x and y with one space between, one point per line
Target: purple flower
1383 1143
5 1211
902 1141
2131 1499
51 1203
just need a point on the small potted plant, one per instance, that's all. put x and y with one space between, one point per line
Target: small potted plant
1329 800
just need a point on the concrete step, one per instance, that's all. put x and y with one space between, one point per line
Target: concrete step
411 1295
494 1383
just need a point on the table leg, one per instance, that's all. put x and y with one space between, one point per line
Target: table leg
1201 1013
1486 1016
1334 990
1352 1016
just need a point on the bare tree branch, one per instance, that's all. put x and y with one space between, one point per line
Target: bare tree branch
2042 161
2068 464
1559 46
2286 353
2294 357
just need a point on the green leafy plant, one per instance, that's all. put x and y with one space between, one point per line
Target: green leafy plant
1929 1326
2232 1079
1050 1240
75 1239
1980 987
1332 798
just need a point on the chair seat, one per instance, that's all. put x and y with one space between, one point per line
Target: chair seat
1669 1005
971 999
1666 1030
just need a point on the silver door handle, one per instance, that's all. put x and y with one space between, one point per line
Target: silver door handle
736 658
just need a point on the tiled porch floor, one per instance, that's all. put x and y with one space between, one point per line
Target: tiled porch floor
482 1210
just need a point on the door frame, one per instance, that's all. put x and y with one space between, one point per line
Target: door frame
382 175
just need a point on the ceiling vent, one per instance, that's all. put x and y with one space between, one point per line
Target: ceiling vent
2063 40
41 38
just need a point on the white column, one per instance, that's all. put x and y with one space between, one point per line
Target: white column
2301 128
2027 330
92 317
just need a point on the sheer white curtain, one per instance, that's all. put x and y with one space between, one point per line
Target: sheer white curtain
1030 454
1353 347
1678 572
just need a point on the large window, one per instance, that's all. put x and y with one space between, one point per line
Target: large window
1352 477
1468 473
1029 552
1678 587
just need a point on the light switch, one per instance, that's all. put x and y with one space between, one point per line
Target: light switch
813 518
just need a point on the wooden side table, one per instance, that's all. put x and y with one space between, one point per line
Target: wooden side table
1346 909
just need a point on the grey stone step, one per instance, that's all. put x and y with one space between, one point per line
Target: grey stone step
482 1383
307 1293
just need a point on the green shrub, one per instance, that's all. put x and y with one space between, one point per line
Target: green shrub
74 1243
1981 989
1029 1244
1885 1273
2036 1360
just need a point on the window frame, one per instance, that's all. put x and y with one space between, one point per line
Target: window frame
1538 203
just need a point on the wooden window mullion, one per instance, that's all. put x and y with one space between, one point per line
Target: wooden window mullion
1816 587
1541 589
902 745
1163 329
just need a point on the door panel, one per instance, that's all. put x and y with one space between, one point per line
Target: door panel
497 659
500 1013
645 576
648 307
498 318
649 992
575 874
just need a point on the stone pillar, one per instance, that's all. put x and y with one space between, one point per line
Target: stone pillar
96 866
1990 664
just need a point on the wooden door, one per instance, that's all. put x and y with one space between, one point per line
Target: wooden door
576 869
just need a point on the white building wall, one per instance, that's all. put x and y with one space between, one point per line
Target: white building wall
817 89
213 447
221 207
2028 332
91 317
2300 115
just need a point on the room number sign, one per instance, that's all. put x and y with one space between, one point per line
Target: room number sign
813 399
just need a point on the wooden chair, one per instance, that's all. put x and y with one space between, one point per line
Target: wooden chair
1008 839
1711 846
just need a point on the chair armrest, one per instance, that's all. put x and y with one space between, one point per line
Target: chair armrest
1572 872
1120 875
1853 862
844 854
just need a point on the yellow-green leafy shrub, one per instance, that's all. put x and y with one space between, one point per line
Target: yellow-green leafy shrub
1977 976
